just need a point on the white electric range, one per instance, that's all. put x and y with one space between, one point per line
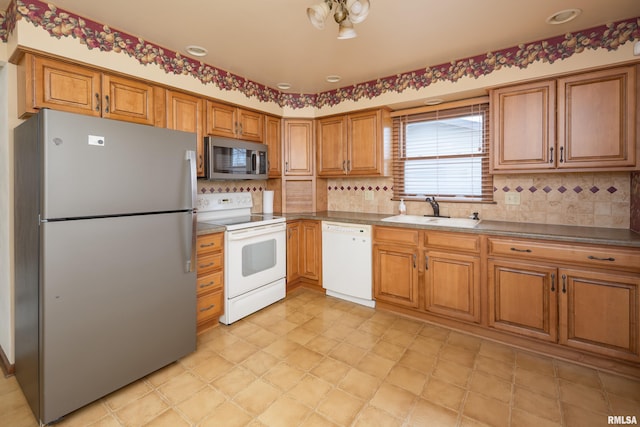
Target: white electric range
254 253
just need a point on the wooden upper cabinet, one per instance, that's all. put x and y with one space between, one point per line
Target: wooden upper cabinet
523 127
273 139
185 113
596 119
331 137
49 83
127 99
353 144
581 122
233 122
298 147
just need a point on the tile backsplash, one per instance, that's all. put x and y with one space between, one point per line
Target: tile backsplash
585 199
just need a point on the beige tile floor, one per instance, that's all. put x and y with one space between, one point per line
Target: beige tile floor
312 360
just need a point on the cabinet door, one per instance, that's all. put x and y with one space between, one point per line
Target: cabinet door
250 125
596 119
298 147
184 112
523 127
221 119
453 285
61 86
127 99
293 251
273 139
311 250
523 299
599 312
365 143
331 139
395 274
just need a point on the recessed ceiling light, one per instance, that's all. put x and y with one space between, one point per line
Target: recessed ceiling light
563 16
196 50
333 79
433 101
284 86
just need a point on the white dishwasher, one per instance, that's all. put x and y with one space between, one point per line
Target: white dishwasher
346 262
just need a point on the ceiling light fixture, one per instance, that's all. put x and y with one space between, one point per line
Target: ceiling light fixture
196 50
563 16
284 86
333 79
347 13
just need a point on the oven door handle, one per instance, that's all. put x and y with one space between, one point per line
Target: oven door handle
248 233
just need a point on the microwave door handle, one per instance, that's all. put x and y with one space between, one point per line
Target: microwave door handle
255 162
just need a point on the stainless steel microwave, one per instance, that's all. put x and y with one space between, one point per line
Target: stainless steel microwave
235 159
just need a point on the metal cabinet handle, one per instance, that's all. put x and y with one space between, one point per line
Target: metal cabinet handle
551 156
561 154
200 161
564 283
206 285
414 260
426 262
344 166
207 308
106 106
601 259
348 166
521 250
97 101
553 282
286 166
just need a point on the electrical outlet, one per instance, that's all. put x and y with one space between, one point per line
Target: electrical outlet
512 199
368 194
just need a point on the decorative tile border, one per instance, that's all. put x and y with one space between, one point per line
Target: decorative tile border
361 188
60 23
234 189
562 189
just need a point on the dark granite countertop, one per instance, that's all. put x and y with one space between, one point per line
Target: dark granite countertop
562 233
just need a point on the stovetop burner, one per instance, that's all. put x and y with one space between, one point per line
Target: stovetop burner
232 210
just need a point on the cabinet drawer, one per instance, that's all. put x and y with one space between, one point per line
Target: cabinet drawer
395 235
209 306
210 282
593 256
210 242
456 241
209 263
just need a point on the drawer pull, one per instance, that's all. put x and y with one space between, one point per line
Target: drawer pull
601 259
207 245
521 250
206 265
206 285
207 308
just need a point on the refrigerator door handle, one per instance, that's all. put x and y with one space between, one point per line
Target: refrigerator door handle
191 158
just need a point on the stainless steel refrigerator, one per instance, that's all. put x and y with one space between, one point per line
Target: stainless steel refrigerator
105 282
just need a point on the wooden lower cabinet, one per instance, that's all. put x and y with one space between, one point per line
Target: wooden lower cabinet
582 306
210 283
453 285
523 299
395 274
304 254
599 312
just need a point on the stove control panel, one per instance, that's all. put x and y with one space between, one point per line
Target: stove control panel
223 201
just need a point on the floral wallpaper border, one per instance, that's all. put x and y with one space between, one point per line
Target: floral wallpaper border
60 23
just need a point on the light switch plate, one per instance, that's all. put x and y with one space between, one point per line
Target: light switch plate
512 199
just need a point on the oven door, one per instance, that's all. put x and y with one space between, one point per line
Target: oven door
255 257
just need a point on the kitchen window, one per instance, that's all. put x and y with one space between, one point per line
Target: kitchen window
443 151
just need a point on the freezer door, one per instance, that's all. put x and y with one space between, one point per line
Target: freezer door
95 166
116 304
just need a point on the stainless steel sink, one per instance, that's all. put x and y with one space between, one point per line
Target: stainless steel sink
436 221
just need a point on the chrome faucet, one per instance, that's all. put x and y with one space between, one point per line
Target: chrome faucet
434 205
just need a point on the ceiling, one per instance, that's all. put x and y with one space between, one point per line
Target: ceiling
272 41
